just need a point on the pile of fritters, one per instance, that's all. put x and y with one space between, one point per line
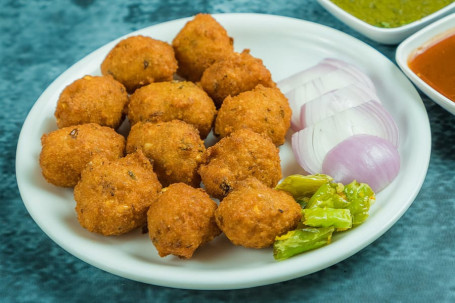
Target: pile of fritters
161 175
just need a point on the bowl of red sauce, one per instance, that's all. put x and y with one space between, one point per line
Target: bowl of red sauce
388 21
428 60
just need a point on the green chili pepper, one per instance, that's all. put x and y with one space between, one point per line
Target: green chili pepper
301 240
300 186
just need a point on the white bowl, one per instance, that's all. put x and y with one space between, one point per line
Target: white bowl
423 38
384 35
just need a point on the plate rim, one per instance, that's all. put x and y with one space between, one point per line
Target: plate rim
211 282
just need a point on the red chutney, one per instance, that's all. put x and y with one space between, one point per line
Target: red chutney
436 66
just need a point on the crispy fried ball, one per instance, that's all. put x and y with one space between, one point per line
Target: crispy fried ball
175 148
234 158
181 220
265 110
139 60
200 43
66 151
252 214
113 196
232 75
166 101
92 99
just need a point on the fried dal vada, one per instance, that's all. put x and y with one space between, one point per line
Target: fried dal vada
166 101
92 99
253 215
234 74
181 220
199 44
174 146
139 60
265 110
113 196
66 151
234 158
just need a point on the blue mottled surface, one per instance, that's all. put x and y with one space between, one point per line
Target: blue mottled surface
413 262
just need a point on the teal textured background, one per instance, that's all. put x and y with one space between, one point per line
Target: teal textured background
413 262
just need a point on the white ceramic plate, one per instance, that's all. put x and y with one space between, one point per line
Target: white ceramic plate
384 35
286 46
429 35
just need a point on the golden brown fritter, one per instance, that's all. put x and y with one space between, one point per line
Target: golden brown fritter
264 110
232 75
175 148
166 101
200 43
138 60
92 99
181 220
113 196
66 151
252 214
234 158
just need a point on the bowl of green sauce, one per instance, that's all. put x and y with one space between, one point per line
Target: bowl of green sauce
388 21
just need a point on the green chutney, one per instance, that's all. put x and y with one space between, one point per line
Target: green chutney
391 13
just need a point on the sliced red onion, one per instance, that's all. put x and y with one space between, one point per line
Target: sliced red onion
311 144
333 102
328 75
353 70
290 83
315 88
365 158
323 67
